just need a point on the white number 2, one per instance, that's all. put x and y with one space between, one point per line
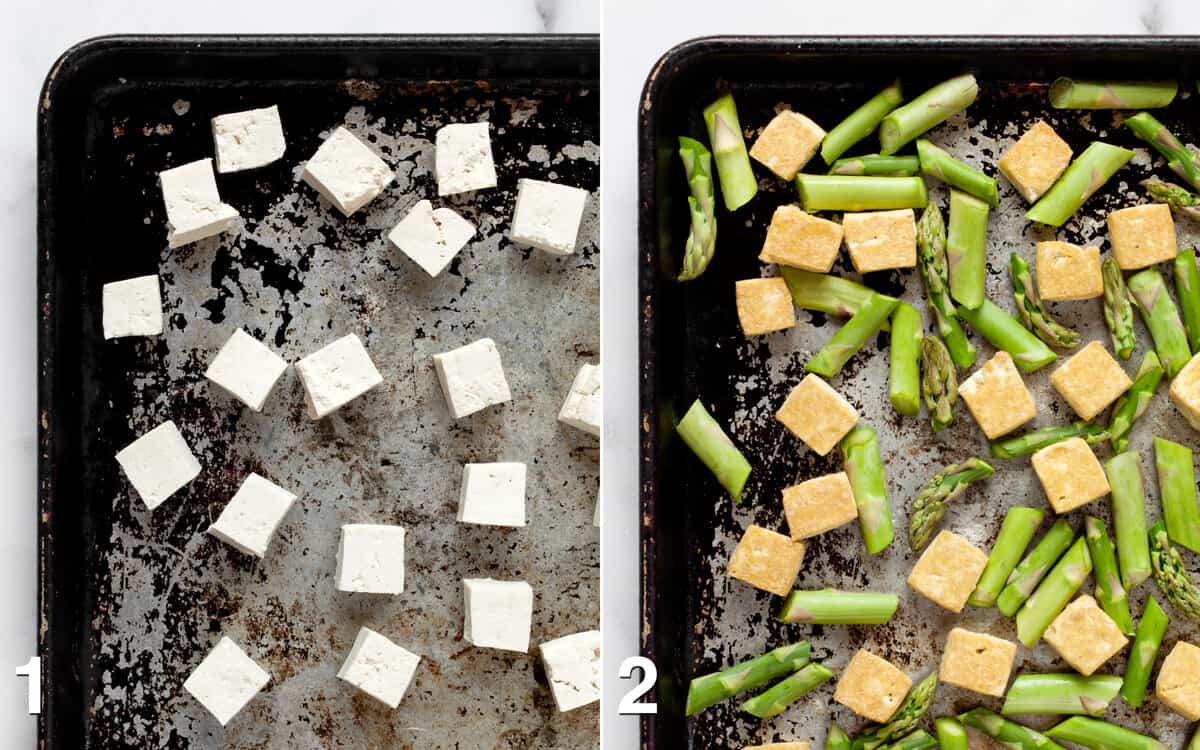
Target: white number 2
33 670
629 704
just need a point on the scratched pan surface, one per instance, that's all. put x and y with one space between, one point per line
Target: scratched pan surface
695 618
132 600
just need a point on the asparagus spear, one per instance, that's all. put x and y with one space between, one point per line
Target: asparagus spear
1118 313
1100 735
782 694
918 740
1177 485
738 184
1020 524
831 295
931 257
926 112
711 445
1067 93
832 607
834 192
837 739
915 706
1004 332
1171 575
875 165
1179 158
1110 593
864 466
1080 181
1194 744
1033 568
1133 403
1144 653
1124 472
1035 694
966 249
711 689
1187 287
904 375
702 237
1009 733
942 166
1032 311
932 500
950 734
939 383
852 335
1174 196
1052 596
1032 442
861 123
1161 317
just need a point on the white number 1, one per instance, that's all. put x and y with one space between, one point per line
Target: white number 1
33 670
629 704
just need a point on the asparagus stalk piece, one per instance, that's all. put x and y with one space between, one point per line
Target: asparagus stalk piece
1032 311
1187 288
876 165
1124 472
931 258
1161 317
1100 735
1020 524
713 447
1080 181
837 739
918 740
835 192
1110 593
1144 653
832 607
926 112
1179 158
1194 744
779 696
914 707
966 249
738 184
951 734
1033 568
852 335
1067 93
1009 733
1061 583
864 466
932 500
942 166
1032 442
711 689
1133 403
1035 694
1004 332
1118 312
939 383
1174 196
1171 575
904 375
1177 485
861 123
831 295
702 237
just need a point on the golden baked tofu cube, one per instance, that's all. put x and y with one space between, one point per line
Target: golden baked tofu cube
817 414
1178 685
1070 474
879 240
977 661
767 560
948 571
1085 636
872 687
997 396
1185 391
780 746
800 240
1142 236
1090 380
764 306
1066 271
1035 161
787 143
819 505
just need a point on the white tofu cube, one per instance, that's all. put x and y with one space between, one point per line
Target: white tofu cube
379 668
252 516
246 369
431 237
249 139
472 377
336 374
573 669
582 407
347 172
493 494
132 307
226 681
463 158
498 614
371 559
548 216
158 464
194 207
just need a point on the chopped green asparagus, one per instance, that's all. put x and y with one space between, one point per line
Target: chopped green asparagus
864 466
833 607
1025 579
1010 734
712 446
876 165
931 258
1034 694
918 740
1110 592
851 337
1053 594
1149 293
951 734
1003 331
860 123
833 192
1171 576
1032 311
1100 735
1180 158
1177 485
738 184
1144 653
1187 288
711 689
1032 442
837 739
1133 403
702 237
926 112
932 500
1178 198
1124 472
942 166
1080 181
1067 93
966 249
1118 312
782 694
1020 524
831 295
904 376
939 383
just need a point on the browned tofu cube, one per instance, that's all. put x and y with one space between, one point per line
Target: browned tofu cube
817 414
879 240
801 240
1142 236
1090 380
977 661
1070 474
767 560
819 505
1036 161
787 144
948 571
872 687
1066 271
1085 636
1179 681
997 396
1185 391
764 306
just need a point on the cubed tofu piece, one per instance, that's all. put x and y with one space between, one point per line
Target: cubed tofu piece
801 240
132 307
872 687
767 560
1185 391
158 464
248 140
493 494
817 414
764 306
379 668
497 614
997 396
463 158
346 172
548 216
472 377
780 746
1090 380
335 375
573 669
787 143
194 207
879 240
1035 161
431 237
1066 271
977 661
226 681
251 518
948 571
1085 636
370 559
1177 684
246 369
1142 236
582 407
1070 474
819 505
